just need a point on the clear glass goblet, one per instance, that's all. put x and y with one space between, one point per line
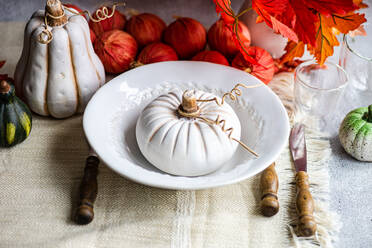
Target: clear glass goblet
317 91
356 59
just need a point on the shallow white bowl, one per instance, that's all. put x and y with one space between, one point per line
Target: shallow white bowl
111 115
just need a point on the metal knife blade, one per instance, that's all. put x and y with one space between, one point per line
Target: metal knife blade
297 146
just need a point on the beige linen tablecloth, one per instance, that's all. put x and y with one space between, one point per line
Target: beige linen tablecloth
39 182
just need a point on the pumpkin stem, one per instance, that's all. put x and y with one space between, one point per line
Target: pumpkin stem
248 70
55 13
132 12
4 87
135 64
369 119
176 17
188 105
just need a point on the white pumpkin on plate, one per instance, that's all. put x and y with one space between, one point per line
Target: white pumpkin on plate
60 77
187 146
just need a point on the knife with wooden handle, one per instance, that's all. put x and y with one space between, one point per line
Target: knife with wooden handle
269 187
304 200
88 190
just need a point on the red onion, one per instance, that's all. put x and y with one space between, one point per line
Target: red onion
187 36
117 21
116 49
220 38
156 52
211 56
265 68
146 28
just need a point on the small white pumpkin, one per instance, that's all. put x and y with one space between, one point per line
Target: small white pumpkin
58 78
355 133
186 146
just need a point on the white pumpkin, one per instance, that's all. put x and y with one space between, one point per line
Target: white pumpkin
186 146
58 78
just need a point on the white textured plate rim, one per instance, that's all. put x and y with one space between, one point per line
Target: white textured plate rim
88 129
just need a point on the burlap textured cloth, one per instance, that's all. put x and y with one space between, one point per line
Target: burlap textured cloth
39 182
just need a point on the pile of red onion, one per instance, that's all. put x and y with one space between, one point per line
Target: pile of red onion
123 44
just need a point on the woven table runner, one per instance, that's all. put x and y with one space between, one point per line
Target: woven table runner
39 182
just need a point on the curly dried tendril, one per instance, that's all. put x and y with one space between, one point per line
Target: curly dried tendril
229 131
233 94
46 36
103 13
235 90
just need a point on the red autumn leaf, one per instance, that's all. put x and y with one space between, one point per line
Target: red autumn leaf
293 50
269 11
305 19
283 29
328 7
224 8
266 9
270 7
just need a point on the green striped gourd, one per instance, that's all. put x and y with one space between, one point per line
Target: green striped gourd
355 133
15 117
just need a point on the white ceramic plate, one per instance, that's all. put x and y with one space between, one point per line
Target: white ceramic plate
111 115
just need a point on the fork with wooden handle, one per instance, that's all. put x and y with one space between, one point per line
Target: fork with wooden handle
88 190
269 187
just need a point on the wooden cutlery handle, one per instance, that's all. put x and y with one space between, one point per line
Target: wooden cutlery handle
269 188
305 205
88 192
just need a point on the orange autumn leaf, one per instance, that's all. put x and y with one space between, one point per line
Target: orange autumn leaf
325 41
293 50
326 38
259 19
345 23
359 31
360 4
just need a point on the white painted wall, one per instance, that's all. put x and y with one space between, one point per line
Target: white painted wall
202 10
